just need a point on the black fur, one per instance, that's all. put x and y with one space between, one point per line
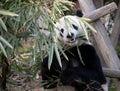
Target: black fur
75 27
62 30
61 34
79 76
79 13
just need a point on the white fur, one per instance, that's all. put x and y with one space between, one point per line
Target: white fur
105 87
66 23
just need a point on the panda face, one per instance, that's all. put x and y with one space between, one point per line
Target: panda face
67 29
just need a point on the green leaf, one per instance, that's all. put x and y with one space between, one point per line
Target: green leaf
81 36
6 12
84 28
85 19
57 9
80 55
91 27
58 55
62 52
5 42
3 49
3 25
50 56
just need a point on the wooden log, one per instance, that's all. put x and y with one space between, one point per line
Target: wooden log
114 38
96 14
112 73
98 3
116 28
101 39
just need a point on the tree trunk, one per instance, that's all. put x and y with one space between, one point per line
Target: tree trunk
98 13
102 41
116 28
98 3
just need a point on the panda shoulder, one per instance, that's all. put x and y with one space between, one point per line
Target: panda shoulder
88 47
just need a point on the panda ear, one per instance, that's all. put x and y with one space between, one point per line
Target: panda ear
79 13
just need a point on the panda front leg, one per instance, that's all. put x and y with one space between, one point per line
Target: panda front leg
50 77
70 81
70 77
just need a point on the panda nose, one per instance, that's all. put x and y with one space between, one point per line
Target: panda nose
70 36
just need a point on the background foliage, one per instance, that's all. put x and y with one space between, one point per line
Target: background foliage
18 24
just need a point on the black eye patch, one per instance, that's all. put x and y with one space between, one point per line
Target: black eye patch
75 27
62 30
61 34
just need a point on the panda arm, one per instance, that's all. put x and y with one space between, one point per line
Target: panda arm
44 69
90 56
92 61
50 75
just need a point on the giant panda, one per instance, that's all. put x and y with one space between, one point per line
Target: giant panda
85 73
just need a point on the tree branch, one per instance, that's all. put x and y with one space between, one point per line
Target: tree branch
96 14
112 73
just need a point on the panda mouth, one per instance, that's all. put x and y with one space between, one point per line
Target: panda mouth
73 40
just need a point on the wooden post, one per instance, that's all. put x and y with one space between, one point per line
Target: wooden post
116 28
98 3
111 73
101 39
98 13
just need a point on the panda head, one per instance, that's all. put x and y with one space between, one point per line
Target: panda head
68 27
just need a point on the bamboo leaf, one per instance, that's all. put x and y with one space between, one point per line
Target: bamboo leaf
91 27
6 12
57 9
63 52
58 55
80 56
50 56
3 49
84 29
3 25
5 42
81 36
65 8
85 19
